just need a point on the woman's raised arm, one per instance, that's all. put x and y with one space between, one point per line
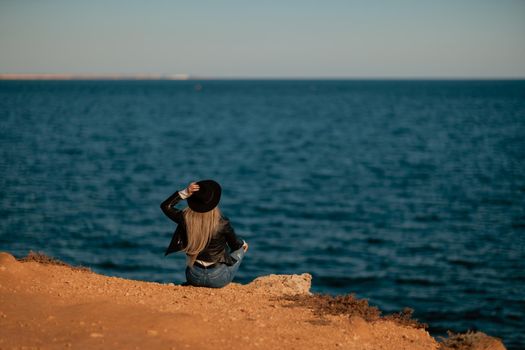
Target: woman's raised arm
168 206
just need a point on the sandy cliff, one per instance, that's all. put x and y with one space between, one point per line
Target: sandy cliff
48 306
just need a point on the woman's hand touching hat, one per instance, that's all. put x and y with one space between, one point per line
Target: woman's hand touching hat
192 187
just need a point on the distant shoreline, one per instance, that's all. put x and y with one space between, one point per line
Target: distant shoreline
94 77
184 77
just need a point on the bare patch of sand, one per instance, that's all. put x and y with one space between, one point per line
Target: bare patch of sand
52 306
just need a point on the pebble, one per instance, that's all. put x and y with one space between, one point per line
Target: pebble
152 332
96 335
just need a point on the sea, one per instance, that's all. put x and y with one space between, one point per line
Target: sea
409 193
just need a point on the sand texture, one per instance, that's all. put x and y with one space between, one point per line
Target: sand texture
51 306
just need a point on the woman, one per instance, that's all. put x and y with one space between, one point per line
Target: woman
205 235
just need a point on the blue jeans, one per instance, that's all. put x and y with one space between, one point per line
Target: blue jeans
216 277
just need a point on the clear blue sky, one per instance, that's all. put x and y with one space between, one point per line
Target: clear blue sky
263 38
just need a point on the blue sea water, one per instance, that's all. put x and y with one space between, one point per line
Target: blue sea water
407 193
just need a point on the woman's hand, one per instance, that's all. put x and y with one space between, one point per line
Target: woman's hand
192 187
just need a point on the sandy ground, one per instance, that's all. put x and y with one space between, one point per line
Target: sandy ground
44 306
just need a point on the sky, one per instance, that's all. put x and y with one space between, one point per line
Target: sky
265 38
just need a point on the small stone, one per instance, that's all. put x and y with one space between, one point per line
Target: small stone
96 335
152 332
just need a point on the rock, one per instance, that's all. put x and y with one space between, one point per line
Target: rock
283 284
472 341
485 342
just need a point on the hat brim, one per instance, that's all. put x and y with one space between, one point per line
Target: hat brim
210 187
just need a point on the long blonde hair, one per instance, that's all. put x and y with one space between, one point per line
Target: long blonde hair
200 228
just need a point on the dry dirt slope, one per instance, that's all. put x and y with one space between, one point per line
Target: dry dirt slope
49 306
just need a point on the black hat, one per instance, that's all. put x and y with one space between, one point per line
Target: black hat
206 198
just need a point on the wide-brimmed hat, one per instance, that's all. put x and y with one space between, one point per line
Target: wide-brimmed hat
206 198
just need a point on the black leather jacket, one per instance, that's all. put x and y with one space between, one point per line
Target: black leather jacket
216 250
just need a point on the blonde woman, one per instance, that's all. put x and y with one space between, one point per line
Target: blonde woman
213 250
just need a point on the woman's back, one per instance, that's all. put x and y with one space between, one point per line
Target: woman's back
208 238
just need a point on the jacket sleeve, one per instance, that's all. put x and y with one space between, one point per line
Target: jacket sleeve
231 238
168 207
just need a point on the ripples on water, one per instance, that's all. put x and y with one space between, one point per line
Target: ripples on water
408 193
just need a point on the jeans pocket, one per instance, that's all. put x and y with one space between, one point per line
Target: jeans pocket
218 271
219 277
192 275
